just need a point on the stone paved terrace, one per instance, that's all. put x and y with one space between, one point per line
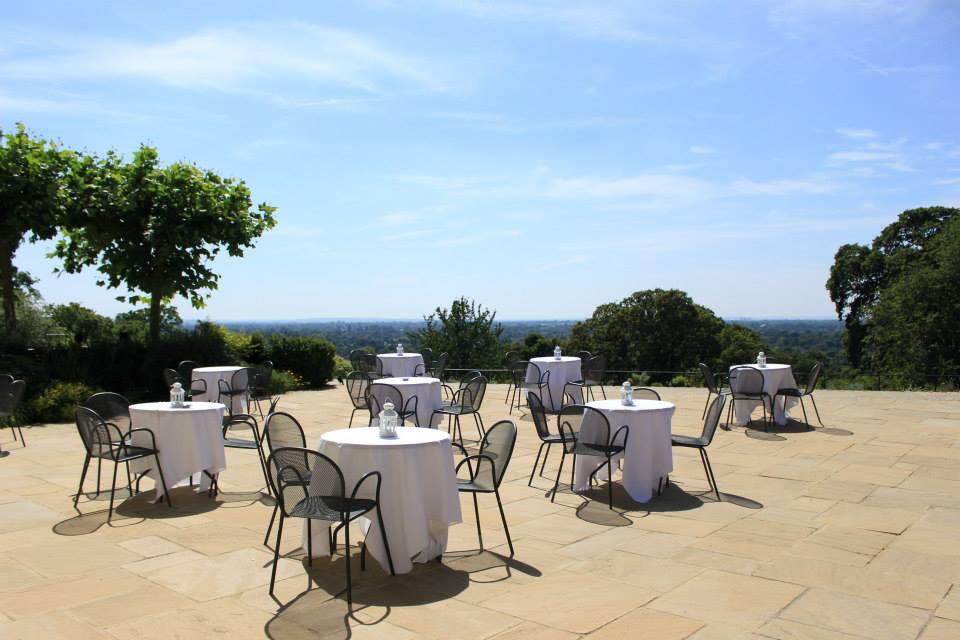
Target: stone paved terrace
857 537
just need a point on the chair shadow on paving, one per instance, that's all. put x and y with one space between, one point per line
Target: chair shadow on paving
129 511
322 608
774 431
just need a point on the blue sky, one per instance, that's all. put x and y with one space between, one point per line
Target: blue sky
542 158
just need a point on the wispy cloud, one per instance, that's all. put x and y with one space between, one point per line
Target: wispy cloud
399 218
702 149
857 134
946 181
783 187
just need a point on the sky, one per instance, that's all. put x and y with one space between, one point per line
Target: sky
542 158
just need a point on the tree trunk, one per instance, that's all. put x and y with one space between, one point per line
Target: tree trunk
154 318
8 287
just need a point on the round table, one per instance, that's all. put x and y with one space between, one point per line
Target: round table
428 391
397 366
189 441
212 377
418 494
649 453
775 377
562 371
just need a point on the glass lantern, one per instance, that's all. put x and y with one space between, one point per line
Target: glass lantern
626 394
388 421
177 395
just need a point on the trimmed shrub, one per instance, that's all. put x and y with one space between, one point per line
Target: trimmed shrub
341 368
283 381
310 358
58 402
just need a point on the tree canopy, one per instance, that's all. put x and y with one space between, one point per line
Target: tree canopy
155 230
467 332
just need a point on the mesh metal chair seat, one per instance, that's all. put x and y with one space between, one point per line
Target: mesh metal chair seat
11 393
747 383
358 388
592 372
601 445
487 468
466 400
806 392
106 441
701 442
322 497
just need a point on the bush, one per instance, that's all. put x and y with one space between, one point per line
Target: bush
641 379
341 368
58 402
283 381
310 358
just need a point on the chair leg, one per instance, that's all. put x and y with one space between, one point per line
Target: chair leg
19 427
503 517
386 543
534 470
276 554
350 424
99 464
163 482
480 429
556 484
544 463
346 538
113 489
610 482
602 391
273 516
476 511
309 543
83 474
803 406
710 477
706 404
815 409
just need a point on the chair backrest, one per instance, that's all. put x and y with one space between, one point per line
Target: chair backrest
262 375
509 358
373 364
170 376
518 371
709 380
96 436
358 360
283 430
498 443
713 418
358 386
645 393
596 370
240 380
440 366
472 392
584 356
185 369
539 415
377 396
813 378
110 407
570 415
427 354
296 472
11 392
746 381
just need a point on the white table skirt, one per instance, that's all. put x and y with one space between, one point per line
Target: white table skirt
212 376
562 371
428 391
189 441
394 366
418 494
649 453
775 377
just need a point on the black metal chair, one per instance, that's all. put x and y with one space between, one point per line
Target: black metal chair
358 360
236 388
112 407
487 469
439 369
406 409
427 366
185 369
358 387
706 437
746 383
547 438
713 389
592 372
282 430
645 393
601 444
242 421
509 360
584 356
258 387
466 401
527 377
106 441
807 392
322 497
11 393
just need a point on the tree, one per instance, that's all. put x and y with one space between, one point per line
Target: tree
156 229
738 344
32 197
467 332
136 323
863 280
81 324
652 330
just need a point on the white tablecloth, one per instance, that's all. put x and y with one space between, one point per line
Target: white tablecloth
189 440
212 376
775 377
428 391
394 366
562 371
418 495
649 453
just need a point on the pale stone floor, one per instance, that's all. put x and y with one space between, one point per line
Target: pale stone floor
845 532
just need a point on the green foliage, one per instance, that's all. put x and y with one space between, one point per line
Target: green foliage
659 330
310 358
157 229
57 402
341 368
641 379
738 345
284 381
82 325
136 323
899 299
466 331
32 201
535 345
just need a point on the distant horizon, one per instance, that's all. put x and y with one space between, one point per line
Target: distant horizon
385 320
